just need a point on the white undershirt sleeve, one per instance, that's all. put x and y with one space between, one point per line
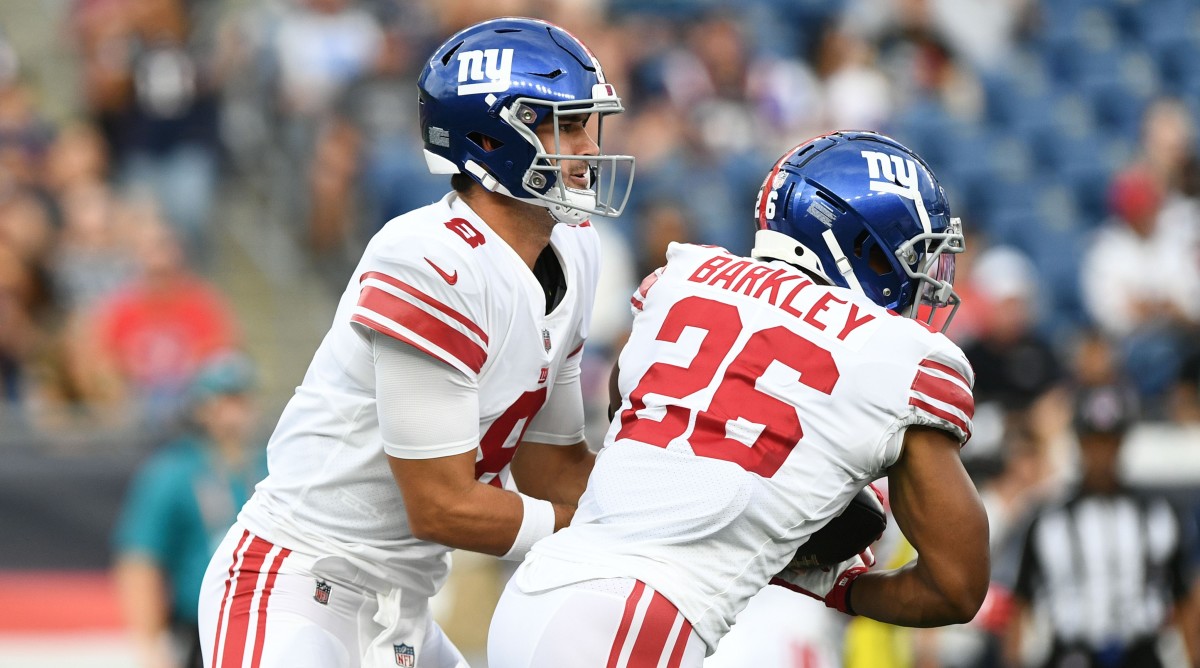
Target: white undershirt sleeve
426 407
561 419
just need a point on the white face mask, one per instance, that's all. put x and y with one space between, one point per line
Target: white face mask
610 177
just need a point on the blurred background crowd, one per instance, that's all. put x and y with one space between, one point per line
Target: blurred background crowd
182 178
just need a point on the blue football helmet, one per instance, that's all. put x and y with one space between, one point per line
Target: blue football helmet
863 212
501 79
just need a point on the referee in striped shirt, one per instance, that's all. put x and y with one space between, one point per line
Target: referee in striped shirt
1107 569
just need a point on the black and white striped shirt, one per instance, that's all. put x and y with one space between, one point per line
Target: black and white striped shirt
1106 569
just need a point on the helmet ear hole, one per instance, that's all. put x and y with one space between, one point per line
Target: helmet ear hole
876 259
859 242
485 142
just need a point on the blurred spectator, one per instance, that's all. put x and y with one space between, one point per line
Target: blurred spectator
1168 149
660 223
26 301
181 502
916 56
93 256
394 176
78 157
1107 569
150 336
24 134
855 93
153 90
1017 370
18 332
316 51
982 31
1140 281
321 47
1185 396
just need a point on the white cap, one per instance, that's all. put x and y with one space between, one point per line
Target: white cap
1003 272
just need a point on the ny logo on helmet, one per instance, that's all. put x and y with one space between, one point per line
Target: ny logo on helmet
490 69
881 165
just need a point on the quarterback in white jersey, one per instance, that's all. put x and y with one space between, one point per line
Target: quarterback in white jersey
757 397
452 365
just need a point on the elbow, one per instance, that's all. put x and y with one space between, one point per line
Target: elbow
962 607
962 600
429 524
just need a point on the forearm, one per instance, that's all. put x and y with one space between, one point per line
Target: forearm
555 473
142 592
912 596
936 506
481 519
445 504
569 484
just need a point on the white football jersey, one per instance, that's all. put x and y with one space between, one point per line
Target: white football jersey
756 403
441 280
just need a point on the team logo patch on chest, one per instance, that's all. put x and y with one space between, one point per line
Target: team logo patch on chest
321 595
406 656
546 339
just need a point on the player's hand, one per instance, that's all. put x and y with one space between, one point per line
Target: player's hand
829 585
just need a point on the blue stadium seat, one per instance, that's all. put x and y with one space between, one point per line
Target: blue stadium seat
967 165
1042 219
1160 23
922 126
1179 64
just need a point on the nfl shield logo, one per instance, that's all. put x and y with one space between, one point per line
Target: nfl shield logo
546 339
406 657
322 594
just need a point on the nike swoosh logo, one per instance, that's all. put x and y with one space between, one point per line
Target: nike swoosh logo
450 278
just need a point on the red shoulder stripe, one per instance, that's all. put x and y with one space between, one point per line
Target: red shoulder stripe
647 283
401 285
420 322
946 369
943 414
945 391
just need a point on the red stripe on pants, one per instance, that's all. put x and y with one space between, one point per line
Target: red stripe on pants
239 610
651 640
626 620
681 641
225 597
261 636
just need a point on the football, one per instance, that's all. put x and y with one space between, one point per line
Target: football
859 525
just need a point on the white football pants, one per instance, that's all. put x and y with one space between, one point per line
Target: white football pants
607 623
264 606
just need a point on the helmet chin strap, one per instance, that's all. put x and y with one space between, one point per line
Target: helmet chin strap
843 262
569 215
779 246
561 213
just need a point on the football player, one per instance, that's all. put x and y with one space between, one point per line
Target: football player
451 367
757 396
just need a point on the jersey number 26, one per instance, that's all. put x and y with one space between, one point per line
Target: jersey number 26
736 396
